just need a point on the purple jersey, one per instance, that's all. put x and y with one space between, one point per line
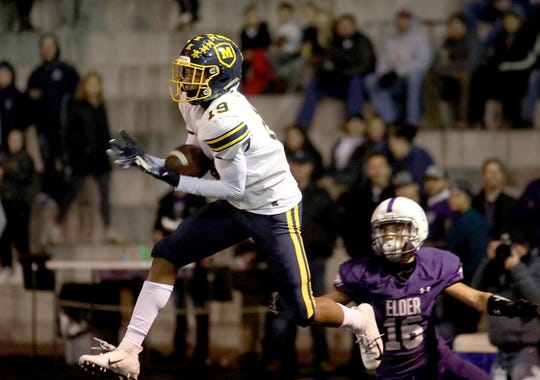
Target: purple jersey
402 309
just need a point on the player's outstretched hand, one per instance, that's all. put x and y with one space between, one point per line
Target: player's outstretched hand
148 165
123 149
523 308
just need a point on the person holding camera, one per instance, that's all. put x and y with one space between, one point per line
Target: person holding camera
511 269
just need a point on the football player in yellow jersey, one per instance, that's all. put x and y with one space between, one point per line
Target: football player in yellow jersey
257 197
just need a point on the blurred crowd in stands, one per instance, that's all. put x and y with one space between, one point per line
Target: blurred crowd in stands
485 74
482 72
53 136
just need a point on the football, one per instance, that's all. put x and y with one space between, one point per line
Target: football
188 160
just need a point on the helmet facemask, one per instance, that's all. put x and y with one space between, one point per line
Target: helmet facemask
191 79
395 239
209 66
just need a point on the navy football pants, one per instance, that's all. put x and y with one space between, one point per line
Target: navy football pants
219 225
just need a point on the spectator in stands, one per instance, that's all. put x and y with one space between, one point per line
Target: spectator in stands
346 61
13 105
50 87
403 154
173 208
405 186
316 33
189 12
251 276
347 156
258 75
87 141
308 17
528 212
504 78
458 56
376 129
319 231
24 7
531 103
492 201
280 355
316 36
512 270
468 237
438 212
284 52
70 12
6 16
356 205
401 68
485 16
470 232
18 186
296 138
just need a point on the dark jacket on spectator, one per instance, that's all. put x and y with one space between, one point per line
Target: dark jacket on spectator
416 162
87 138
319 222
523 281
504 211
57 81
354 209
176 206
528 212
512 47
468 237
260 40
351 174
346 57
18 185
461 54
13 109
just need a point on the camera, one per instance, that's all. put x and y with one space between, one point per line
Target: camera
504 249
495 267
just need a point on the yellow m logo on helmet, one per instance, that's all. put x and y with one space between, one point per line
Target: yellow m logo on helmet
225 54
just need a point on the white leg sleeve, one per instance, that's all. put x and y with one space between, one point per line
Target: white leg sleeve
152 298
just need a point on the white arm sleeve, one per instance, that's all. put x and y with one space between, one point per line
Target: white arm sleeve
231 185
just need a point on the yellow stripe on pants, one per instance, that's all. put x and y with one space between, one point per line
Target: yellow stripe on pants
293 222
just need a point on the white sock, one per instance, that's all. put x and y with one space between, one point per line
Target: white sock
152 298
352 319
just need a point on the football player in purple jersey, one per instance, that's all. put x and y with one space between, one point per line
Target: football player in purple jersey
401 281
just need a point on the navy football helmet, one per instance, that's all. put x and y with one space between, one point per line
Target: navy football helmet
208 66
